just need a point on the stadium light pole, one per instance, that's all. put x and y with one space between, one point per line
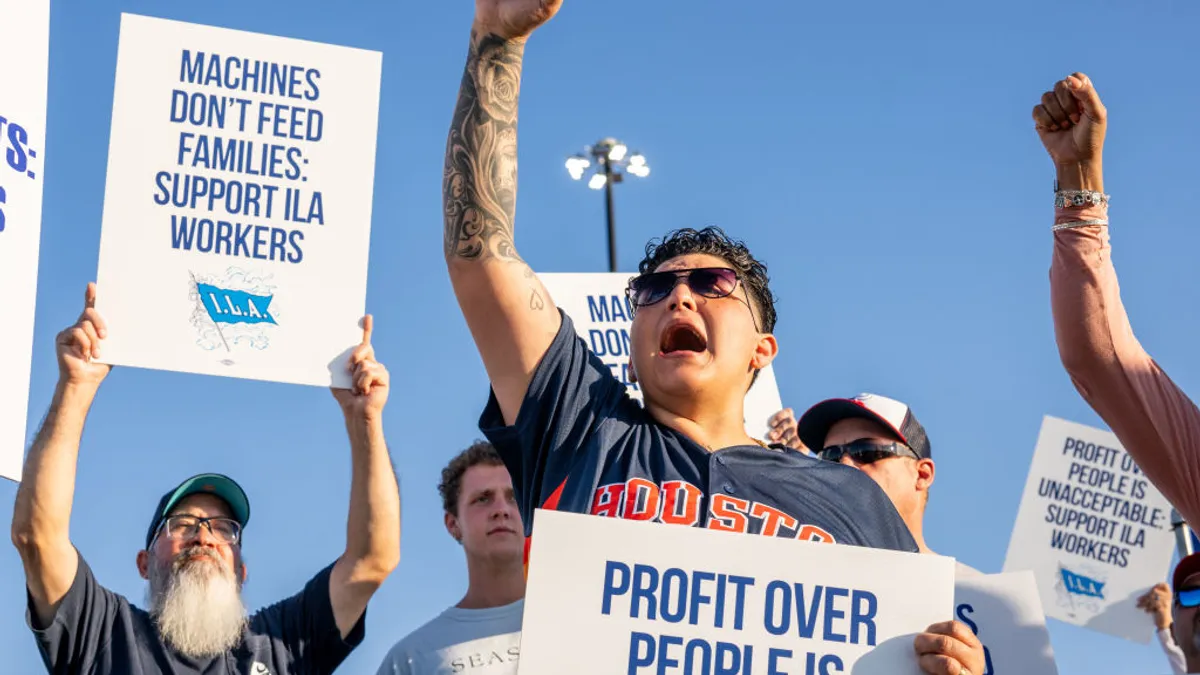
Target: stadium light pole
609 160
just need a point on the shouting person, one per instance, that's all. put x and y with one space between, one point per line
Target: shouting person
702 328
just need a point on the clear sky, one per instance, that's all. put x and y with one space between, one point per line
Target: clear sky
879 156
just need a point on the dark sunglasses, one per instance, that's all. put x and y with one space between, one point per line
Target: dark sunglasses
710 282
867 452
1188 597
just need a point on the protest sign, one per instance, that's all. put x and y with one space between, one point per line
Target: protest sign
607 595
1005 613
1092 529
237 210
597 305
24 58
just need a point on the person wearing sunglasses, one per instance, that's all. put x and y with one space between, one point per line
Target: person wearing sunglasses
196 621
882 438
1185 609
703 316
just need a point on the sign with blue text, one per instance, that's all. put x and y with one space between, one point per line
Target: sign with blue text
1093 530
646 598
24 58
237 212
597 305
1005 613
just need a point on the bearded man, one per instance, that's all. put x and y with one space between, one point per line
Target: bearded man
196 623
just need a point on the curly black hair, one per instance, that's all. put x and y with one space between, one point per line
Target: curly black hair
480 452
713 241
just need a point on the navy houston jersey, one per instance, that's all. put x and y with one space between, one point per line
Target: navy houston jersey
581 444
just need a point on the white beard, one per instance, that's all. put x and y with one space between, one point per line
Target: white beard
197 604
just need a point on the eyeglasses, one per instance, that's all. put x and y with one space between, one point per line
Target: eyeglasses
184 526
1188 597
710 282
867 452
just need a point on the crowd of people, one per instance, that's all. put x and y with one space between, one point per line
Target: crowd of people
562 433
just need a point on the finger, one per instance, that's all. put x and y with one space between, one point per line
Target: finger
939 664
363 353
781 417
368 323
1084 91
92 315
1062 94
368 380
89 329
89 295
1043 120
1050 103
955 630
79 344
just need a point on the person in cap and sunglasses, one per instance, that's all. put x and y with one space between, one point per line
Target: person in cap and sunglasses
196 622
1185 609
882 438
703 316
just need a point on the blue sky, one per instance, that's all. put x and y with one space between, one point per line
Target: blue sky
879 156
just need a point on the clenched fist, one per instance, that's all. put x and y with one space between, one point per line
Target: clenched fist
513 19
1071 122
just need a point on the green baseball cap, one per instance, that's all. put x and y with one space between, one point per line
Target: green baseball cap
218 485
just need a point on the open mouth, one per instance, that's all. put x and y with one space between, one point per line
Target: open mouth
682 337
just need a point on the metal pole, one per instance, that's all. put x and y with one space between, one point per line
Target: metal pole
1183 537
608 213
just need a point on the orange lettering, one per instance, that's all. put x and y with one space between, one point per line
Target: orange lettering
681 503
728 514
814 533
772 519
641 499
607 501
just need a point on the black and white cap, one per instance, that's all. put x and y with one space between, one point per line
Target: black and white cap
814 424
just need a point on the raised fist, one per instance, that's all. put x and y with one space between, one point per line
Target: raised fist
511 19
1071 121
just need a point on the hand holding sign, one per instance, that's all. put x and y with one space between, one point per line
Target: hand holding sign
949 648
783 429
513 18
78 346
369 392
1157 603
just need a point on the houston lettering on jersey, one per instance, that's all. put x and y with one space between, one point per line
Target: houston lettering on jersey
677 502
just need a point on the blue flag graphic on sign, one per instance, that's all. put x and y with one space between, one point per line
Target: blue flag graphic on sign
1081 585
226 306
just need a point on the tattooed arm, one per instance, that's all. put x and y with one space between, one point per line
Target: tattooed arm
508 311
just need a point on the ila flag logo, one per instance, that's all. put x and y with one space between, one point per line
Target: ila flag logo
1077 584
229 306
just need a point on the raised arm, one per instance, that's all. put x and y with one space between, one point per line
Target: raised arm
508 311
1154 420
42 514
373 526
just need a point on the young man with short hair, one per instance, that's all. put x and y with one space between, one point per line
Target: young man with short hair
481 634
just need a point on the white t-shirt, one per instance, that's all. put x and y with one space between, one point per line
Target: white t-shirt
461 641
